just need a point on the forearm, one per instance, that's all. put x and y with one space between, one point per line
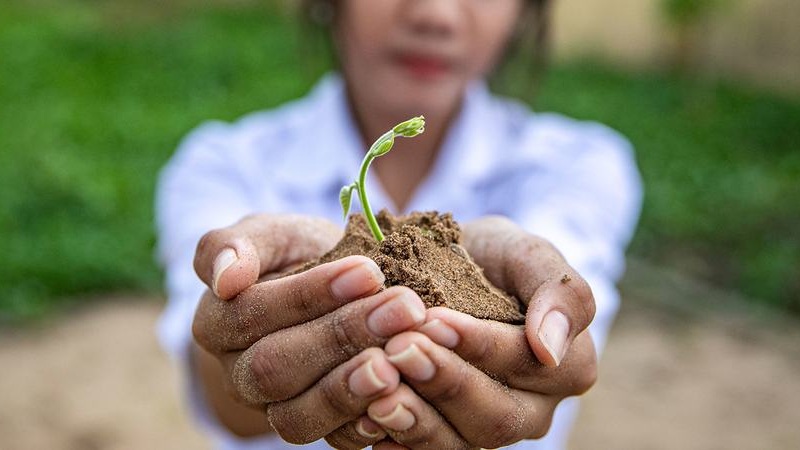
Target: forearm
241 420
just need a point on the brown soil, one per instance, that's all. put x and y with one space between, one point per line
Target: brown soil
422 251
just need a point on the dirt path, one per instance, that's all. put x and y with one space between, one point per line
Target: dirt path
685 368
95 381
690 367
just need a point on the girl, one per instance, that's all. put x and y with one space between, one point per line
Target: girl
325 353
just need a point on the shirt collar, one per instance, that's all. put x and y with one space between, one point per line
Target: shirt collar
327 134
476 147
467 151
469 155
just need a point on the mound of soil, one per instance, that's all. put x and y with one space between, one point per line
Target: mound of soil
422 251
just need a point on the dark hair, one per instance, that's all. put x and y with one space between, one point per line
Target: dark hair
524 64
521 68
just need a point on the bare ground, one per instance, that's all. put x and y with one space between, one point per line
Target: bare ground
686 367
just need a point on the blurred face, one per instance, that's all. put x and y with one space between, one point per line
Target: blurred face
412 57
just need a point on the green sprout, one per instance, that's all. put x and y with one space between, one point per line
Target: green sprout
409 128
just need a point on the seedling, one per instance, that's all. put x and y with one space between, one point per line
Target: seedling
409 128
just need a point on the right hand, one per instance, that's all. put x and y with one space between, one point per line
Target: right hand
299 345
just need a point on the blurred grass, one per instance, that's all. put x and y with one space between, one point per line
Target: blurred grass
721 167
96 94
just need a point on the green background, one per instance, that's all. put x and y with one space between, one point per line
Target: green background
95 96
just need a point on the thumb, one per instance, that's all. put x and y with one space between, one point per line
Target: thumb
559 310
235 268
231 259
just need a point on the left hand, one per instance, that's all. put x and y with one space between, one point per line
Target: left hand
469 382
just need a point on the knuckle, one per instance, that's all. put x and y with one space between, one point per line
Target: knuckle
200 330
282 419
522 248
268 371
525 370
220 326
307 300
542 425
481 351
341 441
200 333
335 395
348 332
541 431
450 391
503 430
347 437
533 245
202 325
428 434
238 315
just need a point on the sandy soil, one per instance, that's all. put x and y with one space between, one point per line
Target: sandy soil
686 367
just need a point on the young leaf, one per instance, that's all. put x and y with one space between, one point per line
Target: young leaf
410 127
345 197
383 144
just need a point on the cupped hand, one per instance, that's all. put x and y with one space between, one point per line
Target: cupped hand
471 383
300 346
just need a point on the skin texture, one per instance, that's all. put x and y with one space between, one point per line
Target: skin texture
321 358
325 354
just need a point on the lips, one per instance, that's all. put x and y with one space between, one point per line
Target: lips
426 67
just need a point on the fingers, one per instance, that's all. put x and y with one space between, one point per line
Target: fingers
480 409
284 302
409 420
284 363
502 350
412 422
228 260
357 434
560 302
337 399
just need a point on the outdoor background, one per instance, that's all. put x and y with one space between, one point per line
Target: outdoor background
96 94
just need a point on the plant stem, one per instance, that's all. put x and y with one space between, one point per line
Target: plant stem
410 128
362 197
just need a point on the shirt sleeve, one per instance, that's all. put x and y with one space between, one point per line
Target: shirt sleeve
585 198
200 189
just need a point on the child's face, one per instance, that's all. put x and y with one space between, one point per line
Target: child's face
416 56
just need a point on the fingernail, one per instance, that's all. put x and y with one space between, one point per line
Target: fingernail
414 363
441 333
225 259
398 314
364 382
400 419
553 333
357 281
369 429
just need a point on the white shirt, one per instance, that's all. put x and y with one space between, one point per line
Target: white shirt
573 183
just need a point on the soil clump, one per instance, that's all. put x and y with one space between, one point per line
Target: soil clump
422 251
